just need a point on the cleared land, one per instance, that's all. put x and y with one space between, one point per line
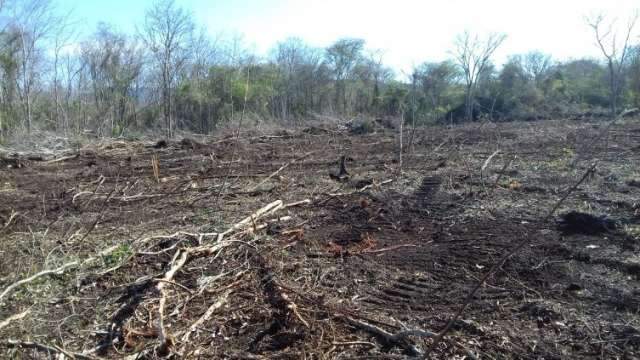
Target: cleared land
148 274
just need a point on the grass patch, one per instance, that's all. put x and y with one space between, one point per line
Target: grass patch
118 255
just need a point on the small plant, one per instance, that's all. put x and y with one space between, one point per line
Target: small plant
117 256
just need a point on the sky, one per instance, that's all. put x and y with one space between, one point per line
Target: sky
408 32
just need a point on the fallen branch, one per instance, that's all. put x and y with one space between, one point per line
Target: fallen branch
488 161
294 308
207 314
298 203
390 248
182 256
62 159
49 349
486 164
268 209
13 318
179 259
397 339
58 271
13 215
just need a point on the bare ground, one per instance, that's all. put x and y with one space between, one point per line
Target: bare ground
388 251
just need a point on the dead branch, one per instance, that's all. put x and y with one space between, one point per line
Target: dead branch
397 339
182 256
488 161
294 309
13 318
58 271
268 209
390 248
176 285
62 159
297 203
179 259
13 215
215 306
49 349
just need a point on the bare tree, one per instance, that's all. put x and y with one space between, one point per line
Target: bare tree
64 35
167 32
615 52
473 54
113 63
536 64
289 59
32 21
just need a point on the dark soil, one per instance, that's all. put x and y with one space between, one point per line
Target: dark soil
400 254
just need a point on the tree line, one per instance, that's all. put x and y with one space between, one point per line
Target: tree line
171 75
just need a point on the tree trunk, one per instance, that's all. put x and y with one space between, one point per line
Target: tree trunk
614 90
469 103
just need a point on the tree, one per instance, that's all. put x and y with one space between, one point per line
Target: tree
615 52
473 54
114 63
518 94
537 65
633 74
8 79
436 81
342 57
32 21
64 35
167 32
289 57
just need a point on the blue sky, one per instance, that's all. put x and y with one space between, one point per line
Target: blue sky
408 31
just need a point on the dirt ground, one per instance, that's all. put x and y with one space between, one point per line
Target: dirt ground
396 245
